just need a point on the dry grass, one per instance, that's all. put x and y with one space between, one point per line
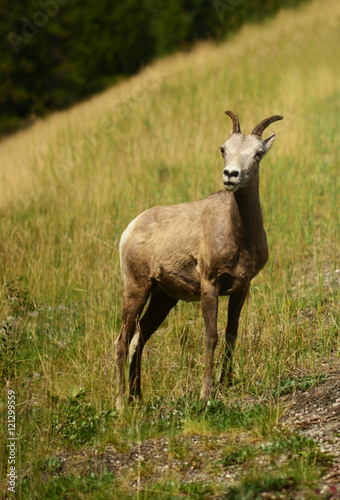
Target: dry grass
71 183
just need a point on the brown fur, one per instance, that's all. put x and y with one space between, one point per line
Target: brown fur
193 251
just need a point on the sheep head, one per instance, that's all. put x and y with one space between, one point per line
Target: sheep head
242 153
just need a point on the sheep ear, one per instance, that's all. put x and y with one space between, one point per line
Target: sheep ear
269 142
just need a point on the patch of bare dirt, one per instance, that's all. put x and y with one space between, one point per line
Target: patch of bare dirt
189 458
315 413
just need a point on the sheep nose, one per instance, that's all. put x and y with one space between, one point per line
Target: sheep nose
231 173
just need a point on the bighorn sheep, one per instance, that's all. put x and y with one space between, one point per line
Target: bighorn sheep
195 251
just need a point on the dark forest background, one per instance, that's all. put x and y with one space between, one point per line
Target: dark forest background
57 52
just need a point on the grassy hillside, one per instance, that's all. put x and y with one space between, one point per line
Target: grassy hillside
70 185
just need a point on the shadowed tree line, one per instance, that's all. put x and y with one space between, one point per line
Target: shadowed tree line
57 52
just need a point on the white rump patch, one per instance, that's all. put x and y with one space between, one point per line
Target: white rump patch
126 234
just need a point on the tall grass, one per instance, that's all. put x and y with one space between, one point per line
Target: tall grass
71 183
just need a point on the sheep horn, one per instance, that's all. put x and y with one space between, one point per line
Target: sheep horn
260 127
236 123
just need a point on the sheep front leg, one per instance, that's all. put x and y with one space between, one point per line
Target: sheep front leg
234 310
209 298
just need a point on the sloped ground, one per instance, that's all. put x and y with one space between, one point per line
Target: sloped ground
316 413
199 458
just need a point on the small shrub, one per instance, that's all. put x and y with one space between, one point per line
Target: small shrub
254 488
299 384
79 422
240 455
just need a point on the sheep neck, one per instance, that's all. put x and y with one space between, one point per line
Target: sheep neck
249 215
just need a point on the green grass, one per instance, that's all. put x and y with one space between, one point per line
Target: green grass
93 486
303 460
63 207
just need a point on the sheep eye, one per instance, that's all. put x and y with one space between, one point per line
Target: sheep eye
222 151
259 155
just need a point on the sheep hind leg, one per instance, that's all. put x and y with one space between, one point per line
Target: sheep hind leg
209 299
134 301
159 307
234 310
